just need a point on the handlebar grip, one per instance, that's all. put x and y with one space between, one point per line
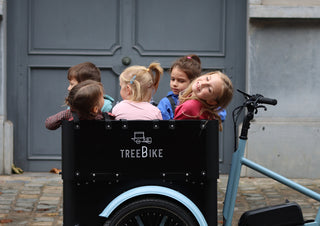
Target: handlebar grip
265 100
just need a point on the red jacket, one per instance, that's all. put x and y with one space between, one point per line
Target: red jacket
190 110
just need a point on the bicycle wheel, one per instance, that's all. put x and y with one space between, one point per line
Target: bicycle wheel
152 212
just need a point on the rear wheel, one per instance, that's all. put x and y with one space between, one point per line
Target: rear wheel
152 212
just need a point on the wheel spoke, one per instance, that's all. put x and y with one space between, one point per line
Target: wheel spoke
163 221
152 212
139 221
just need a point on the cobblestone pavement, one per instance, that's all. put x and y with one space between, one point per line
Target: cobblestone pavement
36 198
254 193
31 199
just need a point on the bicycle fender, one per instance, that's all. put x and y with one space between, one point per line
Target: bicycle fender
155 190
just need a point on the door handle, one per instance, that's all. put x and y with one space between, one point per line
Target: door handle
126 61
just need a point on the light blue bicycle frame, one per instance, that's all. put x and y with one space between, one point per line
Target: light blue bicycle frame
238 160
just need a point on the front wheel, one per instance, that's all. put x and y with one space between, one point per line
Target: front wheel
152 212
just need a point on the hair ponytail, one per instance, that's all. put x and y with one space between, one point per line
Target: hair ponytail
156 70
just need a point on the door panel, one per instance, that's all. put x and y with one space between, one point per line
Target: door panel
43 96
163 30
74 27
46 38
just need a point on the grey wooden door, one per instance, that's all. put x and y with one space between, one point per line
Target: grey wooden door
47 37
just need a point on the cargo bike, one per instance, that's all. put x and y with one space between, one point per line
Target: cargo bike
162 172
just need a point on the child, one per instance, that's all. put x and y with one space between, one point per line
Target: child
85 99
182 72
138 84
205 97
85 71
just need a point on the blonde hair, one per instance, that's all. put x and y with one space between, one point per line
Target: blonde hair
143 81
222 101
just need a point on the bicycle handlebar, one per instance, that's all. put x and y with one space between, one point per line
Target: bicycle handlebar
258 98
265 100
252 104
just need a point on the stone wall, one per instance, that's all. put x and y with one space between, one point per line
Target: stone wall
284 63
6 127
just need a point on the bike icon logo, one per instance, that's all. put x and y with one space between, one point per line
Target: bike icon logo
138 137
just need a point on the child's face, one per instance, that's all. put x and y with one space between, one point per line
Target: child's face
208 88
72 83
179 80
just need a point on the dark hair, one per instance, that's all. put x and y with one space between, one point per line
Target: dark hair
84 71
190 64
83 97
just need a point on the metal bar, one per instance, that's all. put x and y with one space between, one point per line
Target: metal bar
281 179
233 182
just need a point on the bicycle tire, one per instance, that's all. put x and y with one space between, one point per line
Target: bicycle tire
152 212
